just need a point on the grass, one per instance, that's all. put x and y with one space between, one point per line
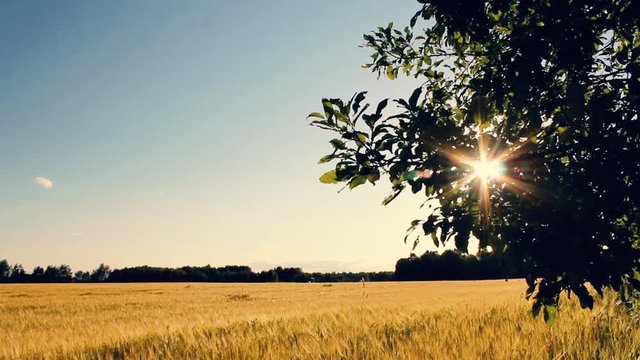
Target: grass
426 320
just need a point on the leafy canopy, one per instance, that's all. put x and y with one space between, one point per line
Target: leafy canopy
548 92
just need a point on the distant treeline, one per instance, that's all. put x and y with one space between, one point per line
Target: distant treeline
453 265
234 273
450 265
50 274
231 273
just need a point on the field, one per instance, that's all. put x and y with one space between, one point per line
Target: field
421 320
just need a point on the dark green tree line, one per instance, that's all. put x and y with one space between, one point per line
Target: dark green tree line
229 273
455 265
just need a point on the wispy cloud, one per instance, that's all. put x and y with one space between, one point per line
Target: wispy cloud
77 233
44 182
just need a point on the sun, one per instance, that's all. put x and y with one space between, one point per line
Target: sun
486 169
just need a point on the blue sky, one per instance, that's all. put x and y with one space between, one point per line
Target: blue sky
174 133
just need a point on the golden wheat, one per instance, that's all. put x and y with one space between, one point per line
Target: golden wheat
425 320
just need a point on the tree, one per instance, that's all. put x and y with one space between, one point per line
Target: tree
60 273
289 274
18 274
452 265
5 270
82 276
38 272
524 135
101 273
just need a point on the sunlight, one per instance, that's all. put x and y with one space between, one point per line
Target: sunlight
486 169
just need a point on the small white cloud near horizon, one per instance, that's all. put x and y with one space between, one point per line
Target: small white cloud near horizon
78 233
44 182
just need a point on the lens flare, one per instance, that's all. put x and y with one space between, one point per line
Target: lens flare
488 169
490 166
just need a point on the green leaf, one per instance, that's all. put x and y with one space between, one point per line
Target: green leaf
338 144
550 314
495 17
458 114
315 115
381 106
328 109
434 237
413 225
362 138
397 191
407 68
343 117
415 243
322 124
416 186
357 181
345 172
397 181
480 109
389 199
391 73
329 177
357 100
413 100
410 175
429 226
326 159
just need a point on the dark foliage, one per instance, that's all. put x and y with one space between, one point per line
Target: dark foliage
5 270
52 274
454 265
450 265
230 273
552 87
101 273
237 274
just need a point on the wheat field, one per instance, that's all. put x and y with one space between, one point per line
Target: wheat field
416 320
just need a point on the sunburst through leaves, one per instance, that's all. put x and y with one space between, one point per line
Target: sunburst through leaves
488 165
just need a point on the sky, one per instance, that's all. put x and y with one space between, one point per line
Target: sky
170 133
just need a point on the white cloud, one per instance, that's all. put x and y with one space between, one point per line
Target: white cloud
44 182
78 234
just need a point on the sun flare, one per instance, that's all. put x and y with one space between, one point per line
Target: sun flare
486 169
